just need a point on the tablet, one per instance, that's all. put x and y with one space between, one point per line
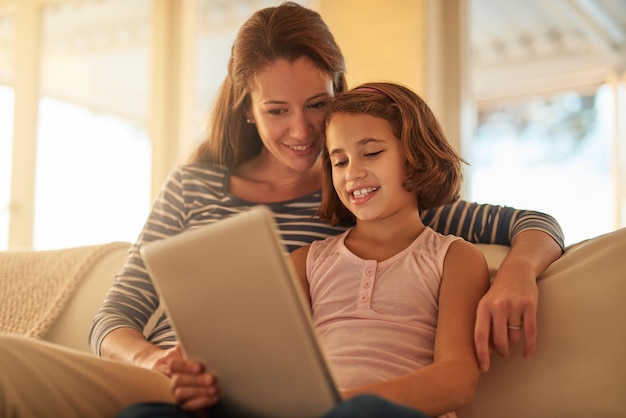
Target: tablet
236 305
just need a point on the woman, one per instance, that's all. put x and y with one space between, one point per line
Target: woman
263 147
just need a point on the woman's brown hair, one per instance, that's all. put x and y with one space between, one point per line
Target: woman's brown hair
288 31
433 167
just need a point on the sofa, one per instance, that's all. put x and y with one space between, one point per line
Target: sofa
578 369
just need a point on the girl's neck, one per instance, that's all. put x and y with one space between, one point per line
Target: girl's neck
382 239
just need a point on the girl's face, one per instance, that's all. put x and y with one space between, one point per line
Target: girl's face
288 105
368 166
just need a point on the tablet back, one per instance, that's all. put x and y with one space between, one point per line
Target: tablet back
236 306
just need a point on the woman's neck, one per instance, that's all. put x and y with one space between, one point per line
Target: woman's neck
260 181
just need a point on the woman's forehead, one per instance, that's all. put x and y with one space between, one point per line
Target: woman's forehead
284 78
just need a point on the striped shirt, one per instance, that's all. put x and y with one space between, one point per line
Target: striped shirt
195 195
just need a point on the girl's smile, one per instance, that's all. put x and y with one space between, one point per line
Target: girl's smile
368 166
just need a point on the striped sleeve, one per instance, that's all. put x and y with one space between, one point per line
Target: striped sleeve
132 299
489 224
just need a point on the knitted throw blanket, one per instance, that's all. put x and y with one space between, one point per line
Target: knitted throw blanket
35 286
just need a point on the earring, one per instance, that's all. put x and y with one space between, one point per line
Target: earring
249 120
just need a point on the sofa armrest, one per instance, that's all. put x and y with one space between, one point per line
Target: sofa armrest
579 367
71 329
494 254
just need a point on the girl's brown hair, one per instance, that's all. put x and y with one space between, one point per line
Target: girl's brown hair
433 167
288 31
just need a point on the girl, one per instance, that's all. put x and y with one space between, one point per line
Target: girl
394 302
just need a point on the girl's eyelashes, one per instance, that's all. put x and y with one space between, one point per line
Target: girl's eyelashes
373 154
339 163
343 162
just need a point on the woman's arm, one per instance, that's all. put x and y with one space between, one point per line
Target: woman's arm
512 298
489 224
130 346
132 299
449 382
536 240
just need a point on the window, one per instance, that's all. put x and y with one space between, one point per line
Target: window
93 177
553 154
93 154
7 29
6 147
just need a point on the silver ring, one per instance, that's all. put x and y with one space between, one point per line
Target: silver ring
518 327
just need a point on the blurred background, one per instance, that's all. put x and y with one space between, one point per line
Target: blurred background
100 99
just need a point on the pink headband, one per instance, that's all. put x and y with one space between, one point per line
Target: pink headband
374 90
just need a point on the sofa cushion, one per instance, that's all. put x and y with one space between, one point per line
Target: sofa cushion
579 367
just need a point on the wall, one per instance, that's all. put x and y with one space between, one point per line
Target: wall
382 40
419 43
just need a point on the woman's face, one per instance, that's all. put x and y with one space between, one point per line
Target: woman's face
288 106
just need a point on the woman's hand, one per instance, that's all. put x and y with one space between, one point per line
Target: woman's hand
160 360
193 389
508 311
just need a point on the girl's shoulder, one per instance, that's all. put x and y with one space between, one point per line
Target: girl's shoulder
433 239
327 246
434 245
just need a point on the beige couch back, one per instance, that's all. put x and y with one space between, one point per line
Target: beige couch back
71 328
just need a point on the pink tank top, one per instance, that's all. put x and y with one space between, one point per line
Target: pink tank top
376 320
